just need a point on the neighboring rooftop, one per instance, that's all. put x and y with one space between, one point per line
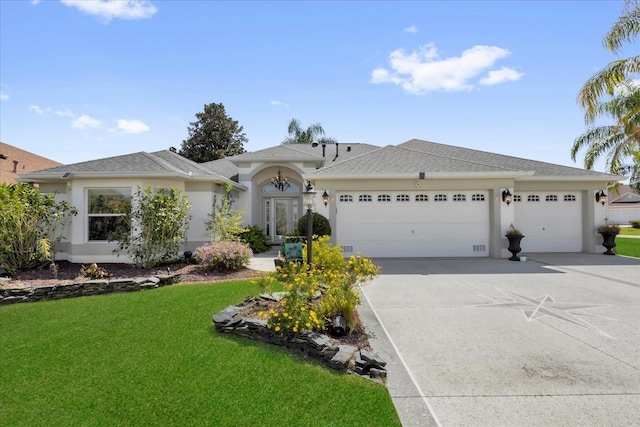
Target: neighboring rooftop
15 161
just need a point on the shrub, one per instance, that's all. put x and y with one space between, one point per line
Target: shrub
224 223
158 226
339 280
256 238
94 272
31 225
222 256
635 223
321 225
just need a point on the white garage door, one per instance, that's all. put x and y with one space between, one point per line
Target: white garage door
550 221
414 224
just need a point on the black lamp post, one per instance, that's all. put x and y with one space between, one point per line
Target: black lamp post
309 195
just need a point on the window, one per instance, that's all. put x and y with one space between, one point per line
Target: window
569 197
440 198
422 197
533 198
346 198
402 198
364 198
477 198
107 209
551 198
384 198
517 198
459 198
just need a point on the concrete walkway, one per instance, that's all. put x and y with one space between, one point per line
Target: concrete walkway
553 341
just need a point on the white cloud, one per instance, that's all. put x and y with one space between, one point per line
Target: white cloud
4 96
65 113
412 29
35 2
279 104
502 75
110 9
423 71
85 122
132 126
37 109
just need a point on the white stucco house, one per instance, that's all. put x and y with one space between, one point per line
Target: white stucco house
623 205
415 199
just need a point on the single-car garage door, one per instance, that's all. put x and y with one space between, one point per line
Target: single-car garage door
414 224
550 221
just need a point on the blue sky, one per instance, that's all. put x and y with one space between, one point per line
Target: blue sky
81 80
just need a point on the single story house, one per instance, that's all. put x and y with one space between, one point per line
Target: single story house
416 199
623 204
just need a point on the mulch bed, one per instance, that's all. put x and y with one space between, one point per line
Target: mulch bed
68 272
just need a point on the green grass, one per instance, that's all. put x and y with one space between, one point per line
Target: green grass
628 247
154 358
629 231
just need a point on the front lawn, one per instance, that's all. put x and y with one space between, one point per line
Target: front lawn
630 231
154 358
628 247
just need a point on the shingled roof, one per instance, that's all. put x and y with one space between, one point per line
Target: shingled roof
440 160
161 164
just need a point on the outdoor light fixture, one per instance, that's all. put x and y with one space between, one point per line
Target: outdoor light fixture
309 195
506 197
325 197
601 197
3 157
280 181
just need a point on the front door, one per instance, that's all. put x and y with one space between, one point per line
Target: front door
279 218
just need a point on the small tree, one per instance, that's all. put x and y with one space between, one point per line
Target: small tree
31 225
214 136
298 135
158 222
225 224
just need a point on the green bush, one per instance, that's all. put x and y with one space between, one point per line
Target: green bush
321 225
635 223
256 238
31 224
223 256
160 221
331 274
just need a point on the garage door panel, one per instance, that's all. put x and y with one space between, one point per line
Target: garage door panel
412 228
550 224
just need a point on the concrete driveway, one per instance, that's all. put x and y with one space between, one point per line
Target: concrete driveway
553 341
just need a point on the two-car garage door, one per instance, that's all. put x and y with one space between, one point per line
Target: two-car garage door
414 224
452 223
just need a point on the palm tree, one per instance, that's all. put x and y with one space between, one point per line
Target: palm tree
607 80
621 141
314 133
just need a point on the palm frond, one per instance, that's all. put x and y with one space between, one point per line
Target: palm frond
625 30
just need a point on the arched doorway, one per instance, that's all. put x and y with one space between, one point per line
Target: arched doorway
280 209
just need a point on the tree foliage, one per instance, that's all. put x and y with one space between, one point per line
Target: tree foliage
158 222
298 135
213 136
31 225
613 94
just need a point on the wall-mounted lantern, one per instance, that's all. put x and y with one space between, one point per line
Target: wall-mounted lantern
325 197
506 197
601 197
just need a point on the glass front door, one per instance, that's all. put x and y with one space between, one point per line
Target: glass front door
279 218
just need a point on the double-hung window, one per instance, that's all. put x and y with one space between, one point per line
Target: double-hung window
107 209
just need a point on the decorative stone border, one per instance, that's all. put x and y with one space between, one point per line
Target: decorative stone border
90 287
345 358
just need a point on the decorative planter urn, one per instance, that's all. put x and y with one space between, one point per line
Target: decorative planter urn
514 246
609 242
